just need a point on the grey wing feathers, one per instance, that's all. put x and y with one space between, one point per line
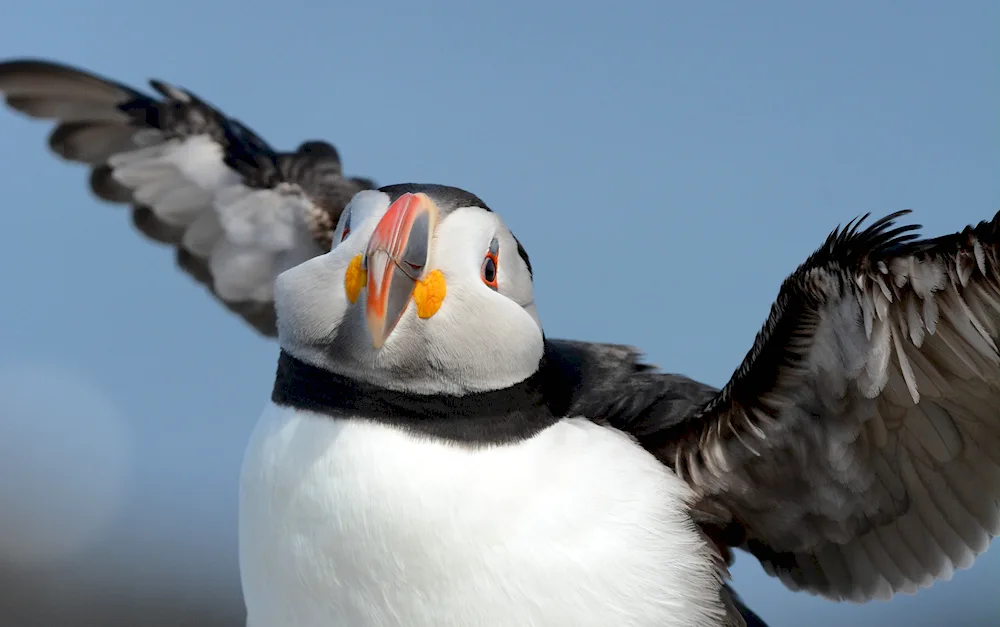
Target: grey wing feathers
90 128
311 176
48 90
856 451
236 211
610 383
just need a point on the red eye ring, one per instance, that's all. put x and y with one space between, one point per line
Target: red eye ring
489 271
347 231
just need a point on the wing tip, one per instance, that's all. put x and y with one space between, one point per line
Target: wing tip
19 65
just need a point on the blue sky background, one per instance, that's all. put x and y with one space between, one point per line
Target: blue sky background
666 164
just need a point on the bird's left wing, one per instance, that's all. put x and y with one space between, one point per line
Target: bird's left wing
237 212
856 451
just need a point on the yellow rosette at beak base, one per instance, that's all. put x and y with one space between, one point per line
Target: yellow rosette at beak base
429 293
354 279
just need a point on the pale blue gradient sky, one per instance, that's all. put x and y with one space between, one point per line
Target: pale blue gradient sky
666 164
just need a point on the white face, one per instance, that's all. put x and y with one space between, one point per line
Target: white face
466 313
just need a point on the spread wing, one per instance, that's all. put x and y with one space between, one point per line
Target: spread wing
856 451
237 212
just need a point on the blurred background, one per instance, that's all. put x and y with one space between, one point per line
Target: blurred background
712 144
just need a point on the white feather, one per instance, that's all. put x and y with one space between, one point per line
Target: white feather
177 179
241 273
266 219
352 523
199 160
203 234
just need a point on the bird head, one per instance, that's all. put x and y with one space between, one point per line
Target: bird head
426 290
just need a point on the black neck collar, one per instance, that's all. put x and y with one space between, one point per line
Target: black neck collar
481 418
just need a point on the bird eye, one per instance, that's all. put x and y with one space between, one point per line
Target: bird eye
347 225
490 262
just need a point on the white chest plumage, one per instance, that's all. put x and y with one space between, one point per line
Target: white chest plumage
347 523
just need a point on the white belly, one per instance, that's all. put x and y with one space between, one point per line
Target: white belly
346 523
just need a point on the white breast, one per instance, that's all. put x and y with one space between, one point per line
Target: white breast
346 523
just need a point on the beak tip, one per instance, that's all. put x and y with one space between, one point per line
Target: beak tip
375 329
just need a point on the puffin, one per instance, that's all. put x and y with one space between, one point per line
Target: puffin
842 410
429 456
236 211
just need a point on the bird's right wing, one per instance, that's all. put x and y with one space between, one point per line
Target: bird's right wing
236 211
856 450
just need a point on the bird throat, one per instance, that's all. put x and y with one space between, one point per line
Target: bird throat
481 418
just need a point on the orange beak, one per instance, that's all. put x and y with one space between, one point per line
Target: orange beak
396 258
